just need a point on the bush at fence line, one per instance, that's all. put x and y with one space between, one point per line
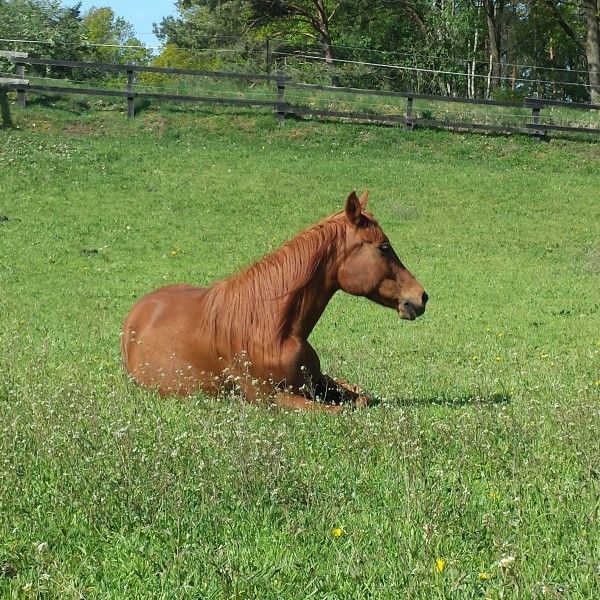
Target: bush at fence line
508 94
172 57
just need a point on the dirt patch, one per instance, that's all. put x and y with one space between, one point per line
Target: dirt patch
81 129
592 261
244 123
156 126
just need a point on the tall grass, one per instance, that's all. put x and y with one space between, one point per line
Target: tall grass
476 476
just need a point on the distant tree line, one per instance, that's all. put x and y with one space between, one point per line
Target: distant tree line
473 48
47 29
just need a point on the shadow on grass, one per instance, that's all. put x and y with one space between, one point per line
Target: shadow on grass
458 401
69 103
142 106
7 122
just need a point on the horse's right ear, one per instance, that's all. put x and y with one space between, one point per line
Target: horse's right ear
353 208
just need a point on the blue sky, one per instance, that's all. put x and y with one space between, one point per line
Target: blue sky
140 14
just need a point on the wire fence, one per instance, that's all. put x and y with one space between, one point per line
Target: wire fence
352 66
288 97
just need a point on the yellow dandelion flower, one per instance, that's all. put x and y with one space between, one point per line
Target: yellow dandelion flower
483 576
498 358
501 334
494 496
597 382
337 532
475 358
440 564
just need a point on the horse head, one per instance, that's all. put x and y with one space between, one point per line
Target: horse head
370 267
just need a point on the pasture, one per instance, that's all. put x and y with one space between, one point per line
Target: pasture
477 474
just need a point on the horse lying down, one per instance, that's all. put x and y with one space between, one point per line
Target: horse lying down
251 330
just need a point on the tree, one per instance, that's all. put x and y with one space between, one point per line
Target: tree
42 27
47 29
580 20
493 16
205 29
111 39
310 18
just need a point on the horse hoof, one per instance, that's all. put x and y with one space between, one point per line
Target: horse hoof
363 400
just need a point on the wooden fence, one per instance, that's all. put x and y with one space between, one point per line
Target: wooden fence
282 106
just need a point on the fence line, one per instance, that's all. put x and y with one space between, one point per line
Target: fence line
283 107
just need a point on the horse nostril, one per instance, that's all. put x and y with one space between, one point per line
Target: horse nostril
424 298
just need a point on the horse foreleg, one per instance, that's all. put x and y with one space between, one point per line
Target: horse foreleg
348 393
296 402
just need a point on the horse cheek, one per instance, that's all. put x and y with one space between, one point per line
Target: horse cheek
356 278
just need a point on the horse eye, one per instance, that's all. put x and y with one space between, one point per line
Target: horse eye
384 248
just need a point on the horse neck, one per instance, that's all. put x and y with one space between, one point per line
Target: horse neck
305 300
290 288
306 305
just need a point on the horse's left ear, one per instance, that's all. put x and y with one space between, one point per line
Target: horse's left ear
353 208
363 199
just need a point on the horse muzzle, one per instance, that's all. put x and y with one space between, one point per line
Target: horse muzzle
410 309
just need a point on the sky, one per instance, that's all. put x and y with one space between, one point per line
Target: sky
138 13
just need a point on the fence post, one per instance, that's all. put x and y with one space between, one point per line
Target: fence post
4 108
535 120
280 98
130 97
268 57
409 109
20 70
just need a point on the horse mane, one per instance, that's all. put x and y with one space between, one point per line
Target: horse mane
254 306
252 311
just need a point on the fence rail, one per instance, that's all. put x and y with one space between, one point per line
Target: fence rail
283 107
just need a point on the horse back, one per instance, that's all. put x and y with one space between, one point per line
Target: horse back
166 317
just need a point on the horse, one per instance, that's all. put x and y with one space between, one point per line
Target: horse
250 332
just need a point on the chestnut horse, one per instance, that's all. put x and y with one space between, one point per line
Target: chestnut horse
251 330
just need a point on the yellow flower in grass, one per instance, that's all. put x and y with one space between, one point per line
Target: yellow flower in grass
483 576
440 565
337 532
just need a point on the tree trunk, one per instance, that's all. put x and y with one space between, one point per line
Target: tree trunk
322 23
494 45
328 53
592 46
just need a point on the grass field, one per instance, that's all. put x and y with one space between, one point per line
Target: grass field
476 476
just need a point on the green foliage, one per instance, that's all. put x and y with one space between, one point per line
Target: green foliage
53 31
475 477
56 27
107 34
439 47
509 94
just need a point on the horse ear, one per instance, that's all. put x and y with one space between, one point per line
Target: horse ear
353 208
363 199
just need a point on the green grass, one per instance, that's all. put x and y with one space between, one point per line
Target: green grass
485 444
